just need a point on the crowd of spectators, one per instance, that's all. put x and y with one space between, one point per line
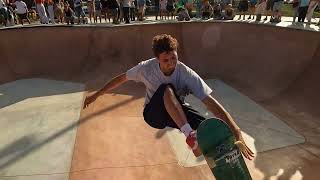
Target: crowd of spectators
126 11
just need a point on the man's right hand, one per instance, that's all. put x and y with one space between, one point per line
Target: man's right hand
89 100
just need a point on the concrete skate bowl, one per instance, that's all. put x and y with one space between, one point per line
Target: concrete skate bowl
278 68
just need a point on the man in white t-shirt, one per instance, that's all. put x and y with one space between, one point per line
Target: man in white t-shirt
22 11
167 82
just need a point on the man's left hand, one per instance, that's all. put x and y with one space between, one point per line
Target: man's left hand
245 150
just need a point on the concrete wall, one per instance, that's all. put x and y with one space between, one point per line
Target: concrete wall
261 61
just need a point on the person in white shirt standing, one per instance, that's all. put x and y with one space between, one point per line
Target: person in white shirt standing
41 10
50 4
22 11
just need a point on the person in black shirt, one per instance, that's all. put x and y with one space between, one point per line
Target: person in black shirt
68 14
114 7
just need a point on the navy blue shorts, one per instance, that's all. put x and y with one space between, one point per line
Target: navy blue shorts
156 115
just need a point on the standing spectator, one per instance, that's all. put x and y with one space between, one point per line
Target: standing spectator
91 9
252 8
170 8
206 10
69 14
121 11
157 8
198 5
217 12
115 10
243 8
269 8
22 11
303 8
41 12
189 6
105 11
133 10
312 6
59 11
163 9
276 11
260 9
228 12
126 10
50 4
295 8
98 8
141 8
79 10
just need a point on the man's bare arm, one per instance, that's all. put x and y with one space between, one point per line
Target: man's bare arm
217 109
113 83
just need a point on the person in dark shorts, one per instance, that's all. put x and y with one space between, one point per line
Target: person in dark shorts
157 8
252 8
170 8
133 10
22 11
79 12
114 7
105 10
276 11
168 81
243 8
68 13
98 8
269 9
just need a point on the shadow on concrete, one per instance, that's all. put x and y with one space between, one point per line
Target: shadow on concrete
18 147
16 91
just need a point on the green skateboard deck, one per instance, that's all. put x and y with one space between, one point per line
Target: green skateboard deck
216 142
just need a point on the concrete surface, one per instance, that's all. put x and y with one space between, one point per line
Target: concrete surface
276 67
38 130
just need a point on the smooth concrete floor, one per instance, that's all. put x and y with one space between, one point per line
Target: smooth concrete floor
114 142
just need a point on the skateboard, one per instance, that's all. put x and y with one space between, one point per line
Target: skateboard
216 142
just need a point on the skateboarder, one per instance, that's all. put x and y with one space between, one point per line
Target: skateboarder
167 82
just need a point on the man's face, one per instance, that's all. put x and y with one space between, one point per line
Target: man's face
168 62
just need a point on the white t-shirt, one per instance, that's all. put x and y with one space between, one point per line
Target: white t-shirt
21 7
184 79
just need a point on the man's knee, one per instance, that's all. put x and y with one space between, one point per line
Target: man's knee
168 90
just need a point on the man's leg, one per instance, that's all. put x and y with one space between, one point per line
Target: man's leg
173 107
311 8
166 110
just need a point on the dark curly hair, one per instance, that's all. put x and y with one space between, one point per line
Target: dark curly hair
164 43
